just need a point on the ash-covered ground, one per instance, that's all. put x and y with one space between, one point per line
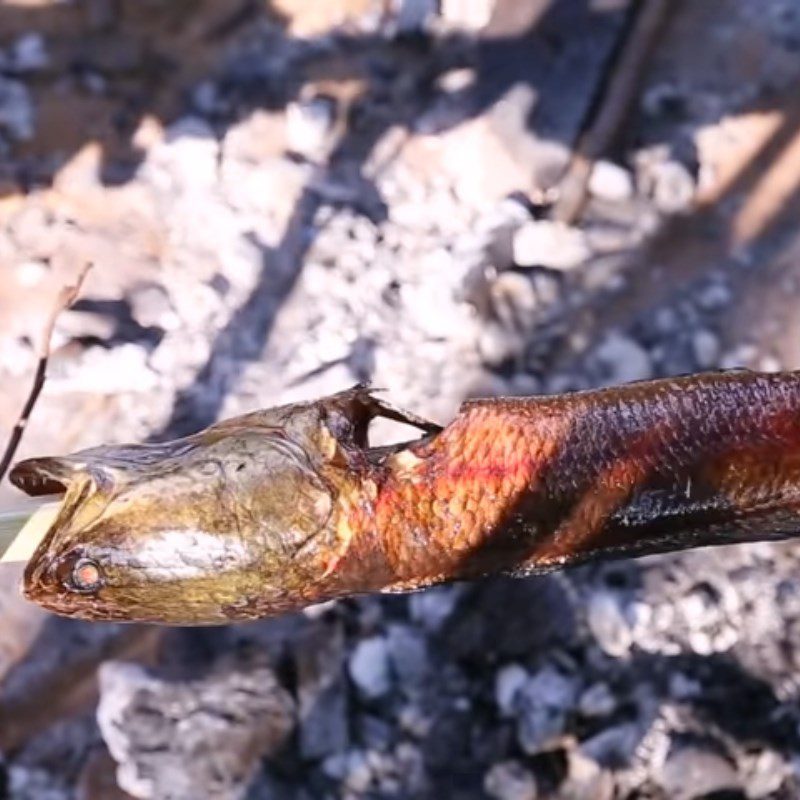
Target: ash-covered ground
282 199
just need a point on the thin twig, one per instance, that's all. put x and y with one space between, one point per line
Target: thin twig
66 297
620 91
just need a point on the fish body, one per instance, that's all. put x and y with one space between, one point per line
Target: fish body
280 509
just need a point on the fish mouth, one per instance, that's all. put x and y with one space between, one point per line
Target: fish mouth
75 482
43 476
103 466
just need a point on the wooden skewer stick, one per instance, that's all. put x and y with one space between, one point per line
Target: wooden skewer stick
22 530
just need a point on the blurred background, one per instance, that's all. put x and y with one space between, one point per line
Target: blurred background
449 198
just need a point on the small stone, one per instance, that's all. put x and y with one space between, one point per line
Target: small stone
541 243
456 80
309 124
770 363
585 778
666 320
597 701
205 98
467 15
743 355
335 766
186 161
16 355
23 783
608 624
508 682
369 667
715 296
542 707
510 780
408 654
673 187
764 773
706 348
151 306
413 16
613 747
623 360
661 98
375 732
692 773
28 53
515 300
433 607
32 273
414 721
683 688
16 110
497 345
610 182
358 776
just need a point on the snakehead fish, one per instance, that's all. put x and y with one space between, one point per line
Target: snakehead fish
283 508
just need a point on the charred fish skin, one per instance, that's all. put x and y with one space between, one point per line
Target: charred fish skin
280 509
520 486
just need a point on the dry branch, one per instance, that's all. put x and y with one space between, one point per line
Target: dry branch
66 297
614 105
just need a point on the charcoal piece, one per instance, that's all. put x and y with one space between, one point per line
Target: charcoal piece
543 616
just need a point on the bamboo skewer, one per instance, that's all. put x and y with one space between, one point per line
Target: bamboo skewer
23 529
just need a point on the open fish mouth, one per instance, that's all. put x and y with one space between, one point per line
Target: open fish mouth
42 476
102 465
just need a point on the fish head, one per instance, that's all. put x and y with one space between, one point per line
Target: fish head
237 522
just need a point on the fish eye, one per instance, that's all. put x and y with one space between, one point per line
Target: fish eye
85 576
